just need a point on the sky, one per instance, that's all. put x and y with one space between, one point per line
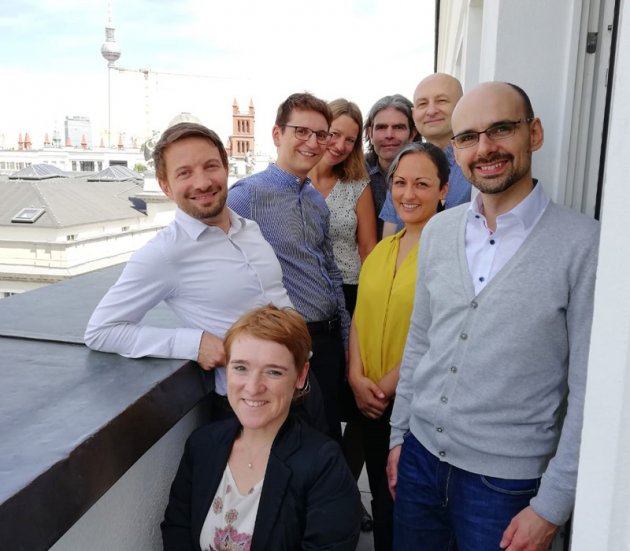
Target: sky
51 64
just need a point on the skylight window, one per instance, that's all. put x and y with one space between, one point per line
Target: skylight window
38 172
28 215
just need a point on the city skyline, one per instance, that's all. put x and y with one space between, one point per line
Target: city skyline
51 59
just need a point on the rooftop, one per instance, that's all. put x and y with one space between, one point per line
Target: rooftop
99 201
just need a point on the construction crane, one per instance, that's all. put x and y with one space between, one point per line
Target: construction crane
111 52
147 99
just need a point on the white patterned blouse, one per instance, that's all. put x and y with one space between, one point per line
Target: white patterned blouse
342 204
230 521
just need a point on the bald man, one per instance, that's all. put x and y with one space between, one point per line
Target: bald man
433 102
488 413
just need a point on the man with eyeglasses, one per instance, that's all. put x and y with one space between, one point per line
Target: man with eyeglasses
488 413
433 102
293 218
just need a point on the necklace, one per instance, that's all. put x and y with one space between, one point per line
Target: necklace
250 462
245 451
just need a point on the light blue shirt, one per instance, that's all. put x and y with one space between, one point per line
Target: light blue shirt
207 277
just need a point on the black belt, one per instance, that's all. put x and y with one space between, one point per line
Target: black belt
324 327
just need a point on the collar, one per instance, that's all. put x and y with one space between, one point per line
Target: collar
194 227
450 154
286 179
527 212
398 235
373 167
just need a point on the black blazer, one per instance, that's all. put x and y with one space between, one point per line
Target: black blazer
309 498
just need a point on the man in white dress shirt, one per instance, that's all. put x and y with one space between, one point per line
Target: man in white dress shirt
209 265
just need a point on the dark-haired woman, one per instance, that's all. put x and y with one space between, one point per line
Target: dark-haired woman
418 179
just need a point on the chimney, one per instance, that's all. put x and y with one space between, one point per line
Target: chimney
20 142
27 141
235 107
102 144
251 106
46 140
68 141
84 143
120 142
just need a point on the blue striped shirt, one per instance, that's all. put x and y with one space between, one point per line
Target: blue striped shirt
293 218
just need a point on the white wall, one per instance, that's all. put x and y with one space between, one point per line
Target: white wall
602 512
533 44
540 45
128 516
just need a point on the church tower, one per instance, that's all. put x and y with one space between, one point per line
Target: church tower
241 142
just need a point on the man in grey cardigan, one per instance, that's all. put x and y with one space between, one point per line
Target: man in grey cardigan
488 413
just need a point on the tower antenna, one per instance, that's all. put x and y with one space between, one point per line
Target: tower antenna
111 52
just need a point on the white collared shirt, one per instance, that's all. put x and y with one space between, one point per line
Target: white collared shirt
487 251
207 277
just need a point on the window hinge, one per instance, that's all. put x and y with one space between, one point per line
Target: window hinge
591 43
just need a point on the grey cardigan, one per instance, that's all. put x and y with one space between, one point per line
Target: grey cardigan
485 379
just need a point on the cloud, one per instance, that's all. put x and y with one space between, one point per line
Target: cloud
359 49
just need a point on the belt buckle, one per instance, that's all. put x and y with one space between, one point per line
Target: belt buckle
332 324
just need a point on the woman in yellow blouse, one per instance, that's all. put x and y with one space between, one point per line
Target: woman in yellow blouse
418 177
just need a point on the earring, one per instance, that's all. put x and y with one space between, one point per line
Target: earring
306 387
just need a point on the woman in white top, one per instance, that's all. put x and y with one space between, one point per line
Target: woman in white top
263 480
341 178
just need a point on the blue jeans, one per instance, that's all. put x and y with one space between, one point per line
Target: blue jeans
439 507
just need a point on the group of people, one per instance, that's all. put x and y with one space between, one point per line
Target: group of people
327 288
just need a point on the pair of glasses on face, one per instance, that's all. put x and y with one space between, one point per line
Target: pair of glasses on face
498 131
304 134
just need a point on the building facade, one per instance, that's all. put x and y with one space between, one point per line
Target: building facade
241 142
571 56
78 132
55 228
69 159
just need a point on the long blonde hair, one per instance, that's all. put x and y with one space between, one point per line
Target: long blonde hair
353 168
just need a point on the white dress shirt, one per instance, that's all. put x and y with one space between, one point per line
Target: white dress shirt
207 277
487 251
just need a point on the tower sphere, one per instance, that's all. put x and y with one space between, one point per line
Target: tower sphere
110 50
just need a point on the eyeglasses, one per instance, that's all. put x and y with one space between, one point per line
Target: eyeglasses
302 133
498 131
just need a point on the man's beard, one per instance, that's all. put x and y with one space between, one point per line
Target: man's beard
491 185
210 212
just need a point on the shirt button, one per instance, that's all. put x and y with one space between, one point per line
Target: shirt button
440 429
474 304
453 369
441 454
463 336
482 278
477 216
444 399
492 242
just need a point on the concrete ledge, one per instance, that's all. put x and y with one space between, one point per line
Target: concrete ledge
73 420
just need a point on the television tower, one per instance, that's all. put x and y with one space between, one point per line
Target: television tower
111 52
